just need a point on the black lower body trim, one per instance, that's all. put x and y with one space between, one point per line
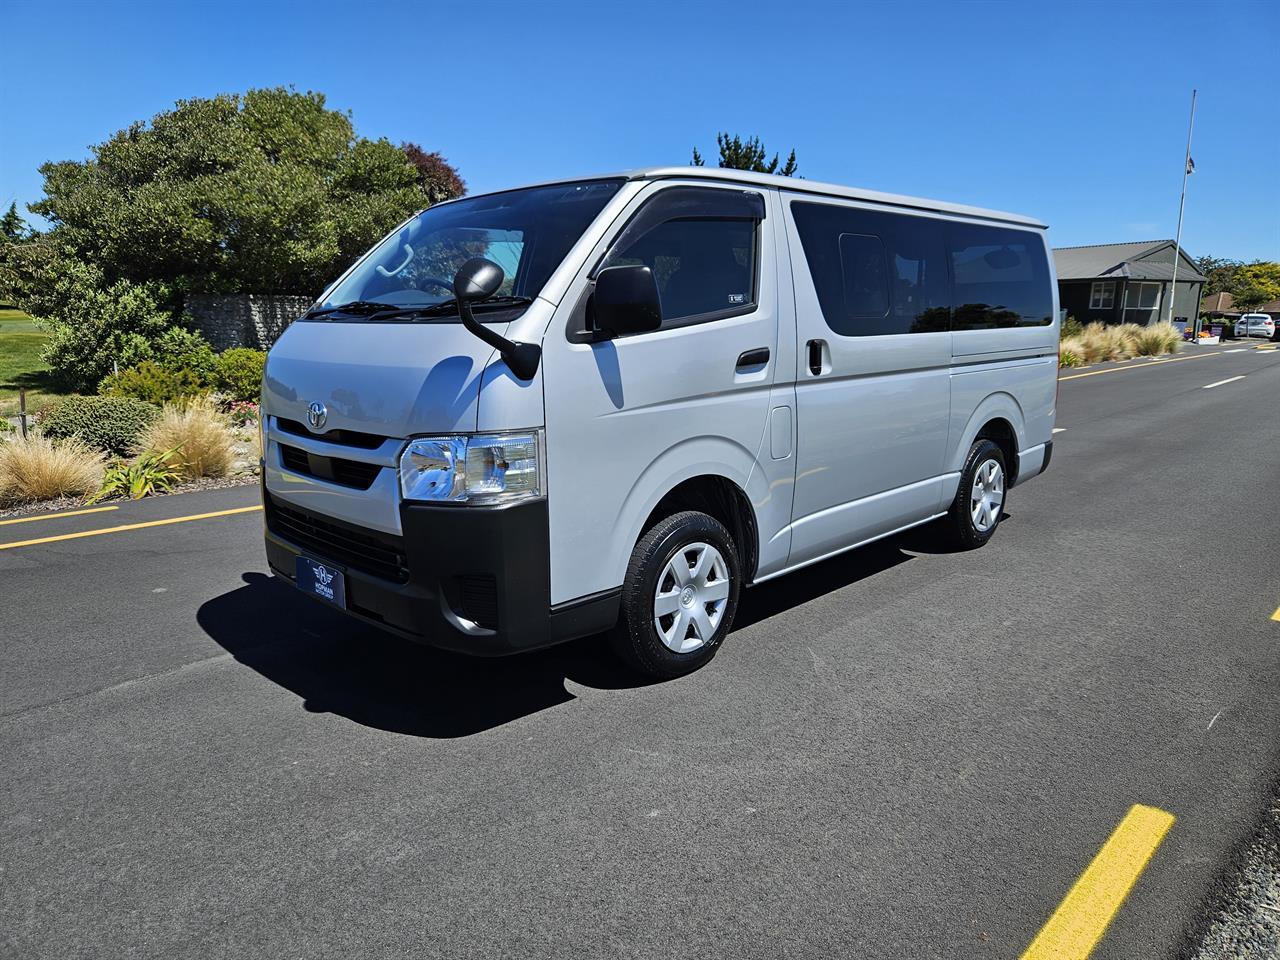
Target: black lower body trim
472 579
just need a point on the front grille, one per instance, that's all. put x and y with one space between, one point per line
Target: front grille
344 438
478 599
347 473
369 551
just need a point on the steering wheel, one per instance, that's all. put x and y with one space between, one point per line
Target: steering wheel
436 282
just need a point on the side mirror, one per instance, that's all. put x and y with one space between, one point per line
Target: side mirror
626 301
477 279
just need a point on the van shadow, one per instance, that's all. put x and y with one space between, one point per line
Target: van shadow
339 665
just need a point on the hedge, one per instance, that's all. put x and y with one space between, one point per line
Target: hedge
111 424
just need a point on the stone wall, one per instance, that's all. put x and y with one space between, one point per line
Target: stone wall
244 319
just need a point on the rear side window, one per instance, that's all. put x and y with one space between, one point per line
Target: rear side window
701 245
1001 278
875 273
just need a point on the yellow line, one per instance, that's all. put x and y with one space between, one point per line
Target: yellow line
127 526
1137 366
1276 616
55 516
1081 919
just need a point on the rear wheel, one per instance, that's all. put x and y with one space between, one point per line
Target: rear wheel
977 508
679 597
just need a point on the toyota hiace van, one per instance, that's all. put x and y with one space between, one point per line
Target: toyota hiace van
611 404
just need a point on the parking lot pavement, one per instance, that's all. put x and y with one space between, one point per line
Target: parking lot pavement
898 753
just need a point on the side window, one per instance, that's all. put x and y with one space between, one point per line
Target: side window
866 291
702 246
875 273
1001 278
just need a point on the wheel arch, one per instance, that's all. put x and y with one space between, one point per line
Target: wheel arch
998 418
710 474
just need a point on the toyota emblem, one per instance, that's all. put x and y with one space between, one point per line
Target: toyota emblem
317 415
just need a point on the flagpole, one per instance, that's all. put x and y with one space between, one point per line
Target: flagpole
1182 203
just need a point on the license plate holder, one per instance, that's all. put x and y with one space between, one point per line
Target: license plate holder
322 580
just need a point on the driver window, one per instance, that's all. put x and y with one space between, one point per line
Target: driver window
702 244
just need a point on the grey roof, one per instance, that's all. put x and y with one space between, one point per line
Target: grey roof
1117 260
803 186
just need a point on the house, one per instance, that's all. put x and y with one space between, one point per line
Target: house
1127 282
1221 305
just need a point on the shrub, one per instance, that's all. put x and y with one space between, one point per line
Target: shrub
153 383
195 437
1157 339
1067 357
181 349
94 324
111 424
149 474
37 468
1099 342
239 373
1071 327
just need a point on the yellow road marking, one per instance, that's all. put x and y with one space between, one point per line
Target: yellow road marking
1137 366
1081 919
127 526
1276 616
55 516
1269 346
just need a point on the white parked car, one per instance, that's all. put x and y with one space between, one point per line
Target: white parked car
611 404
1256 325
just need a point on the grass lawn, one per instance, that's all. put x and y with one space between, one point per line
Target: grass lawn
20 345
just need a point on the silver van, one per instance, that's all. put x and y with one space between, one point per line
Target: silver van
610 404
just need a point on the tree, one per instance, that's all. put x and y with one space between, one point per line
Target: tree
1255 284
1220 273
266 192
437 177
739 154
13 229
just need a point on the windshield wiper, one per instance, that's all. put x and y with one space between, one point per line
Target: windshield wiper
448 306
355 307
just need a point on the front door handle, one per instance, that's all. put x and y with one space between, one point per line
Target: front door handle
753 358
815 356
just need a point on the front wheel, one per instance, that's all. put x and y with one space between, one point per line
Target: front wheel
679 596
977 508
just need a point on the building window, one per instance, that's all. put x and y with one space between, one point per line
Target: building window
1142 296
1102 296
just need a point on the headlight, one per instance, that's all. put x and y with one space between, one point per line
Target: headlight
479 469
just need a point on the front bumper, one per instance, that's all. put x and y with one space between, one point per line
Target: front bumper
471 579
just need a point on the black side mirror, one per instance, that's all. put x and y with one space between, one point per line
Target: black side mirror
626 301
477 279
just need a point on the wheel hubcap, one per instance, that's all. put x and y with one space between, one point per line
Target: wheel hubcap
691 596
987 496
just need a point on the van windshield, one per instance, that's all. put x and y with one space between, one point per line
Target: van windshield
526 232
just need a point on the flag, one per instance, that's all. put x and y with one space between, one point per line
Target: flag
1191 165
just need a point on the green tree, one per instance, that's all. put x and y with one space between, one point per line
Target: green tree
1255 284
749 154
266 192
1221 273
13 229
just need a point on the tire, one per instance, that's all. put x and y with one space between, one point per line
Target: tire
962 528
649 636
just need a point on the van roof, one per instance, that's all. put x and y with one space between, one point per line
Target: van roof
805 186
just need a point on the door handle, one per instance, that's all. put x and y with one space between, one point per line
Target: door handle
815 356
753 358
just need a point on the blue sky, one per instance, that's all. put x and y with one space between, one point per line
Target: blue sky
1074 113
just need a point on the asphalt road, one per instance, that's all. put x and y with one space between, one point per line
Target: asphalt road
899 753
